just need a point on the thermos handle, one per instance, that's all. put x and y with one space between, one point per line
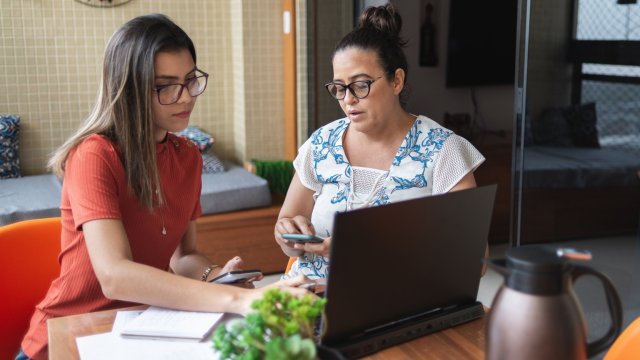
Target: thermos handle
615 310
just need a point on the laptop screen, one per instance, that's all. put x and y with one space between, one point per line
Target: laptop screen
404 259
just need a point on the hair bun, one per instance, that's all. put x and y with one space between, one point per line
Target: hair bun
383 18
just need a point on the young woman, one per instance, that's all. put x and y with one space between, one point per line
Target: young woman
131 191
378 154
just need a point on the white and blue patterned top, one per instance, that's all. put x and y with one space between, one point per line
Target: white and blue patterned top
431 160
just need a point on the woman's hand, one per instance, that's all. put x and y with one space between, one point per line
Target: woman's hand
234 264
296 225
292 286
322 248
231 265
294 216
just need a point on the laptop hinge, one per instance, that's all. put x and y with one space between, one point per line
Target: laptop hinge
404 330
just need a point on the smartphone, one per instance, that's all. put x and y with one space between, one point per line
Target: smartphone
236 276
303 238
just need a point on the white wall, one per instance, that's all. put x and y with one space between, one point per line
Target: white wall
429 96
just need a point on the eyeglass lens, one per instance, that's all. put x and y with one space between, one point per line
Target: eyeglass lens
359 89
170 94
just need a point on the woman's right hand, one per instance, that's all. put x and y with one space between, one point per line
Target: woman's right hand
296 225
292 286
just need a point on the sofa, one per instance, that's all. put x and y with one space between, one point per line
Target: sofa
237 213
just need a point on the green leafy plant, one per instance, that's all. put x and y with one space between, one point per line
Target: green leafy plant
281 327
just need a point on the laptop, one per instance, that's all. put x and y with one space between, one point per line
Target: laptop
406 269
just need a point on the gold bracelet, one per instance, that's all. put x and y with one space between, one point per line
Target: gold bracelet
207 271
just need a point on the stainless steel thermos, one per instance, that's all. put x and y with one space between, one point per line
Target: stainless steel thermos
536 315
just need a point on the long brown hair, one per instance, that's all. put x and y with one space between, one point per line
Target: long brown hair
122 111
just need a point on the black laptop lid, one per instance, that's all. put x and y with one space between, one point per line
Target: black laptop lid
394 261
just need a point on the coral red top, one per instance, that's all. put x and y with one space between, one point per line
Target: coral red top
95 187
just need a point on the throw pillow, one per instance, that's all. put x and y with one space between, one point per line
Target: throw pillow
582 119
211 164
552 128
528 131
9 144
200 138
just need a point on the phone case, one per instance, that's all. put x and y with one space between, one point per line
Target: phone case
236 276
303 238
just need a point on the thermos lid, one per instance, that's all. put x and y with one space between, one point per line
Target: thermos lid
537 270
535 258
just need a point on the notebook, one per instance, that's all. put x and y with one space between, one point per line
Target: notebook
161 323
403 270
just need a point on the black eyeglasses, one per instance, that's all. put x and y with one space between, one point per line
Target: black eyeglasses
359 89
169 94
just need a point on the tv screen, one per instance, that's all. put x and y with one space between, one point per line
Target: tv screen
481 49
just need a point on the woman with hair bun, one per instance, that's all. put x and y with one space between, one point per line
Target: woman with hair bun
378 154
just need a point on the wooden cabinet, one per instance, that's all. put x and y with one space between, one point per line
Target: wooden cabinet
577 213
247 233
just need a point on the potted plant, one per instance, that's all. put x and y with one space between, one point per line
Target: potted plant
281 327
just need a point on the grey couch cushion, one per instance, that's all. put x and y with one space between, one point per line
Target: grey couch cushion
234 189
29 197
38 196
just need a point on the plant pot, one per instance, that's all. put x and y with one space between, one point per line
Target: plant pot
327 353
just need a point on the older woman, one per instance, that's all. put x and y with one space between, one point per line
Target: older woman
378 154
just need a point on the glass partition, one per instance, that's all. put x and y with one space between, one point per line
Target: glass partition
576 159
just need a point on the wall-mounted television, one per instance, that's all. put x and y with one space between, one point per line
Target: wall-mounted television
481 48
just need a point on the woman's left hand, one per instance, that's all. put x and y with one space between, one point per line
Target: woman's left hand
322 248
236 264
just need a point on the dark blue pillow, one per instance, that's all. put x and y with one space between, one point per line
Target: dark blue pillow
573 125
9 144
583 121
552 129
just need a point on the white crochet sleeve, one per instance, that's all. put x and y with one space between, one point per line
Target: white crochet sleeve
303 164
457 158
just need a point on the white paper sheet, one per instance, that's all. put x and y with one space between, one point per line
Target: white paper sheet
123 318
109 346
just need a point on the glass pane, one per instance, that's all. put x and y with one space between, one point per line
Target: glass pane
580 146
618 111
607 20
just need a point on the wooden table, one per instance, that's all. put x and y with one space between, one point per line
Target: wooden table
464 341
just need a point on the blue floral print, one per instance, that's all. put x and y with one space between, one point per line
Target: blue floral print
330 175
